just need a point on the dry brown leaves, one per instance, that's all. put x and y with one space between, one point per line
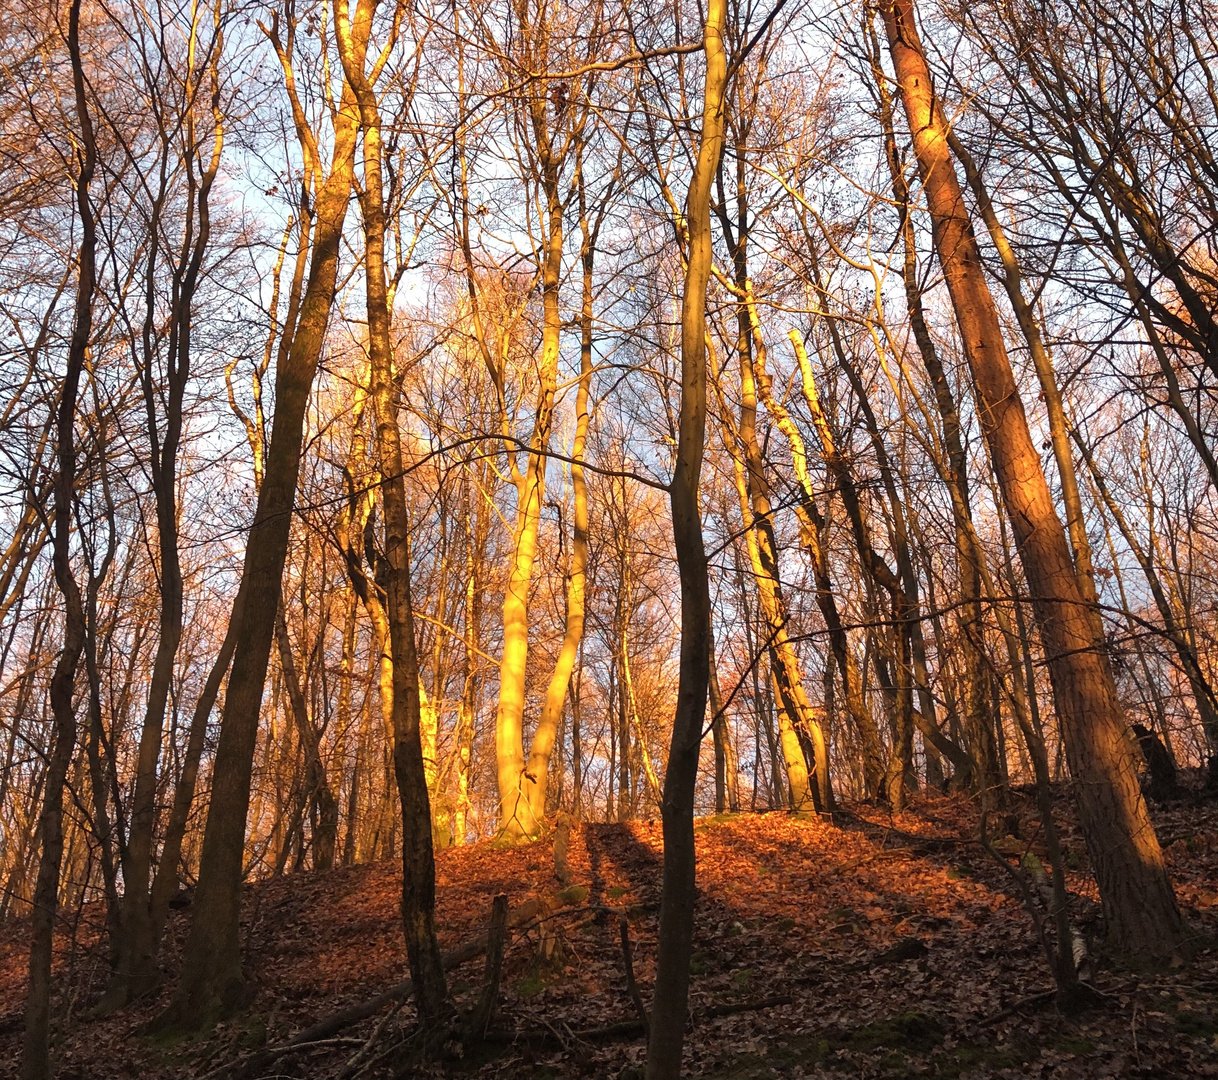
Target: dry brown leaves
899 942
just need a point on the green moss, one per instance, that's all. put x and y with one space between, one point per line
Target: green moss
576 894
1197 1024
616 892
530 986
994 1055
787 1055
914 1031
1068 1045
699 964
253 1035
785 926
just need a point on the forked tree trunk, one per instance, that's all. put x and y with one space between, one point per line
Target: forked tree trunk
137 971
677 899
517 819
165 883
317 785
212 980
538 771
1139 904
410 768
35 1055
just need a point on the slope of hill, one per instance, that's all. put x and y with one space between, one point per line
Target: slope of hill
869 946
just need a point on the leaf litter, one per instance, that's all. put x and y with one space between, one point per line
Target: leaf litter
870 945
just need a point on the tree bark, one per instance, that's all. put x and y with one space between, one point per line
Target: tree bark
1186 651
811 530
35 1054
671 997
1137 896
316 784
556 692
984 765
410 769
165 883
727 780
517 819
796 718
137 965
212 981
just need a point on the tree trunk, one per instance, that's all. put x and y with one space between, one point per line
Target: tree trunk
316 784
469 685
796 719
1203 692
410 768
727 781
984 766
516 816
212 981
165 883
35 1054
1139 904
677 899
535 777
137 969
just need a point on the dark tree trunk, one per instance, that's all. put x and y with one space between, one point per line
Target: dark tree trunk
212 982
35 1056
677 898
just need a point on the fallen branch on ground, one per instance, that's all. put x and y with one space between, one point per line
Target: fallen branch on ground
398 994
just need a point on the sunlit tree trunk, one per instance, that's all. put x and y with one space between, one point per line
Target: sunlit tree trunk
346 693
469 682
1059 425
517 818
983 769
795 715
876 570
727 768
811 529
1143 918
535 776
789 695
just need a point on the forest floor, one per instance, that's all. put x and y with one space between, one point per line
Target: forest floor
873 945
